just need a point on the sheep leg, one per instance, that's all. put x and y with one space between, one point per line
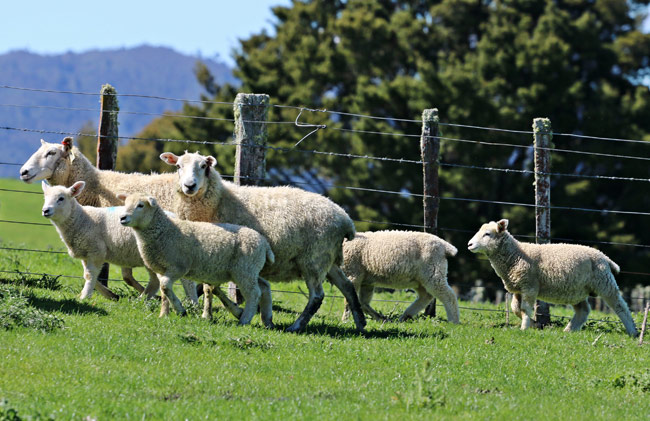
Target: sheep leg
316 295
418 305
207 301
127 275
233 308
365 296
266 303
91 273
338 278
515 305
446 295
618 304
251 292
582 310
166 287
356 281
190 290
527 310
152 287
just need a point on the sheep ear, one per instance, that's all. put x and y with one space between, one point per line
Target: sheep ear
45 186
152 201
211 161
43 142
169 158
67 143
502 225
122 196
77 188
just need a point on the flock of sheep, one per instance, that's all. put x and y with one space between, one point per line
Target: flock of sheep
193 226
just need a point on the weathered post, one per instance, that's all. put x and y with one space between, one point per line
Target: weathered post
250 157
430 152
107 140
543 136
644 324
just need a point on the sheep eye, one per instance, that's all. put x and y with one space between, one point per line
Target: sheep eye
140 205
487 234
50 153
202 166
60 199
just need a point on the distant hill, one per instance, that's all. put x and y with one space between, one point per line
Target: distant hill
157 71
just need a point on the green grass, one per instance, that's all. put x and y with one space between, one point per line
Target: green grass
66 359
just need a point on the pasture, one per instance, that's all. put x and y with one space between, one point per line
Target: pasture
117 360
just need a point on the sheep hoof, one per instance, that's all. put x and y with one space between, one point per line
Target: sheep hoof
293 328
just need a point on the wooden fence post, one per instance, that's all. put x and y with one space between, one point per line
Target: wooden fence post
250 157
430 152
542 142
107 140
644 324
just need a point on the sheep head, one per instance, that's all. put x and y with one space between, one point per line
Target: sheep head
488 238
59 200
193 171
47 159
138 210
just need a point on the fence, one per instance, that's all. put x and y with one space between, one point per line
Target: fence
430 160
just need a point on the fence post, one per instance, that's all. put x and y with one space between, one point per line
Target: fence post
644 324
542 142
250 157
430 152
107 140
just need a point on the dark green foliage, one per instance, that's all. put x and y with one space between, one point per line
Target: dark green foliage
637 381
496 64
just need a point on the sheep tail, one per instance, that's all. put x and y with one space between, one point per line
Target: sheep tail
450 251
615 268
270 257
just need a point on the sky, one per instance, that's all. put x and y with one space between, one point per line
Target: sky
208 28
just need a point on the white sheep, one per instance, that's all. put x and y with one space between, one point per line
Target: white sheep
64 164
557 273
401 259
201 251
95 236
305 230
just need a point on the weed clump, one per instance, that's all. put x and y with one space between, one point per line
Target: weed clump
425 392
16 312
45 281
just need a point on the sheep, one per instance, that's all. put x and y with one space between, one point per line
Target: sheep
64 164
557 273
400 259
210 253
305 230
95 235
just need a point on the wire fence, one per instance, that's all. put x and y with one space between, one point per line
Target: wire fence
323 185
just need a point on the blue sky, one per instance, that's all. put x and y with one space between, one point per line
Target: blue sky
208 27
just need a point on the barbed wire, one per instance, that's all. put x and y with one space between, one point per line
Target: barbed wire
528 132
142 113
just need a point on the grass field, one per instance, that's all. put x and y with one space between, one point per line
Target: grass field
66 359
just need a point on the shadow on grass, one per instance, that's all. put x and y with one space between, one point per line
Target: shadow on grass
67 306
322 328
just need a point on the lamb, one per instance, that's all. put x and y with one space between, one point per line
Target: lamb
401 259
95 235
205 252
305 230
557 273
63 164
